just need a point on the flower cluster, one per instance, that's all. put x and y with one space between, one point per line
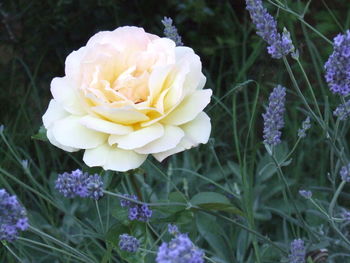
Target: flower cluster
304 127
342 111
13 217
345 173
279 44
79 184
338 65
128 243
179 250
170 31
297 251
136 211
305 193
273 118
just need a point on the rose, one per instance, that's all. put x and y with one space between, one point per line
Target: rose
127 94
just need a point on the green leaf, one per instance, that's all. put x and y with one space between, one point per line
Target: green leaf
41 135
214 201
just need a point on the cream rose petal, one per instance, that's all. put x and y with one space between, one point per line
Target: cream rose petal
170 139
196 132
125 115
53 113
69 132
189 108
57 144
64 93
138 138
113 158
100 125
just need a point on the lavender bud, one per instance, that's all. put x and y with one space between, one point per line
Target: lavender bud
181 250
136 211
342 111
297 251
13 217
266 26
170 31
173 229
345 173
128 243
338 65
305 193
304 127
80 184
273 118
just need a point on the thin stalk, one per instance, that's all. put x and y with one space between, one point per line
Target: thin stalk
99 215
12 252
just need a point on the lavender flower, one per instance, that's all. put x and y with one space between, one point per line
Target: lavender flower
297 251
279 45
305 193
304 127
128 243
79 184
345 173
342 111
170 31
273 118
13 217
173 229
338 65
179 250
345 215
136 211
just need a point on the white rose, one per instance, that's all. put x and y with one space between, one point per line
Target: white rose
127 94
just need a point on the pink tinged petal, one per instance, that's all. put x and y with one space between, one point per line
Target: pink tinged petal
170 139
138 138
69 132
53 113
108 127
196 132
189 108
64 93
53 141
125 115
73 65
113 158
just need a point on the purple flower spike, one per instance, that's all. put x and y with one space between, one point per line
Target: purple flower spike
179 250
338 65
128 243
297 251
13 217
136 211
279 44
79 184
170 31
273 118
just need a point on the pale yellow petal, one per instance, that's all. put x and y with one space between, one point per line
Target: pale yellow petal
137 138
108 127
125 115
53 141
171 138
113 158
66 95
53 113
69 132
189 108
